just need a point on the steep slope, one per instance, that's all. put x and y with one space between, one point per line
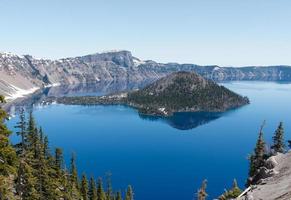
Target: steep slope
23 74
277 181
185 92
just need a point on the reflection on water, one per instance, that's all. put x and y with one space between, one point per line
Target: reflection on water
94 89
181 121
185 120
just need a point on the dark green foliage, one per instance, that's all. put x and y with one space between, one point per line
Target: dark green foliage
257 159
59 160
233 193
84 188
8 157
184 91
100 191
278 139
74 173
74 183
26 182
21 125
129 193
109 192
92 193
118 196
201 194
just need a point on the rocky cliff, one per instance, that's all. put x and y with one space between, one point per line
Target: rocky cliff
20 75
275 182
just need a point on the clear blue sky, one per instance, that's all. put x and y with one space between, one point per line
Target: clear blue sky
223 32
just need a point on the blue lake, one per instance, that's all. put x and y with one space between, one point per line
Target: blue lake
167 158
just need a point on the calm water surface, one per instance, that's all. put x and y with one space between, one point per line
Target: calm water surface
167 158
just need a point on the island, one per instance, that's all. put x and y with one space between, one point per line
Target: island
177 92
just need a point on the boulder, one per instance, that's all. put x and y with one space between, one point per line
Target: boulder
271 163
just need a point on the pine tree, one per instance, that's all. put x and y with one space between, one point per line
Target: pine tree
257 159
46 147
100 192
74 173
59 160
74 183
84 187
65 182
8 157
129 193
233 193
26 182
109 192
21 125
278 139
45 182
118 196
92 193
201 194
32 136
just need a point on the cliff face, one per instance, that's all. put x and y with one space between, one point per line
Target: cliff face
23 74
275 182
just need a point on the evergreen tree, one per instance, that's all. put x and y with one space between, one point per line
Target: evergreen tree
74 183
92 193
46 147
84 187
257 159
8 157
118 196
21 125
278 139
233 193
45 182
26 182
32 136
65 182
74 173
109 192
201 194
129 193
100 192
59 160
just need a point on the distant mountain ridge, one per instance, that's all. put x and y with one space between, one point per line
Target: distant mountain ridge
23 74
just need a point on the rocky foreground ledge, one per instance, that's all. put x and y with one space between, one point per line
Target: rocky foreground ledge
275 180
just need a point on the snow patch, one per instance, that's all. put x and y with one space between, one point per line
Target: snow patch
18 92
137 62
52 85
216 68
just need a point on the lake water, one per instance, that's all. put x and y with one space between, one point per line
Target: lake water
167 158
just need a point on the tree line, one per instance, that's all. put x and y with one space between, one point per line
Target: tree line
30 171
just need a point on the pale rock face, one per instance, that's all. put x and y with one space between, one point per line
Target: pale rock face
26 72
276 184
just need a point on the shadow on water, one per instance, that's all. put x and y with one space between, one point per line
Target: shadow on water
185 120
